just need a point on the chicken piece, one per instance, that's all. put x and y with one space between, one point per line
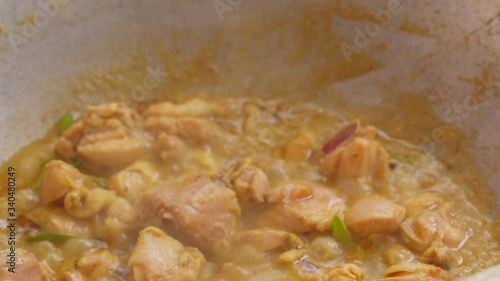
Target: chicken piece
133 180
194 107
454 231
56 220
299 148
302 206
249 182
203 210
171 148
252 117
440 255
23 257
98 264
374 214
112 112
115 153
103 139
30 162
38 271
324 248
397 253
422 202
246 254
120 218
84 203
161 124
182 120
257 114
266 240
208 270
72 275
22 260
230 271
420 231
158 257
169 143
355 153
72 135
276 170
347 272
58 179
414 272
122 210
95 135
291 256
192 130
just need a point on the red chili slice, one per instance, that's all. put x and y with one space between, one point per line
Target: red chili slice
341 136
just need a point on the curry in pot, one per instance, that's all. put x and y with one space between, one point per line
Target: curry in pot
236 189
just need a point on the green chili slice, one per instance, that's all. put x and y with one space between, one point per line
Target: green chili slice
340 232
64 123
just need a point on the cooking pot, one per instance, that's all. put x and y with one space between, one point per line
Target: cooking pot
423 71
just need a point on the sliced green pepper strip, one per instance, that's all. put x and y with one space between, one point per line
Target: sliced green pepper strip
55 237
64 123
39 178
408 160
101 182
340 232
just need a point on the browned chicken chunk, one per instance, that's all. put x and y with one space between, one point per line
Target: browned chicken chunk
56 220
38 271
120 219
303 206
158 257
190 129
249 182
194 130
103 139
346 272
194 108
112 153
374 214
422 230
299 148
171 148
355 153
85 203
181 120
440 255
100 262
266 240
416 204
58 179
414 272
202 209
133 180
